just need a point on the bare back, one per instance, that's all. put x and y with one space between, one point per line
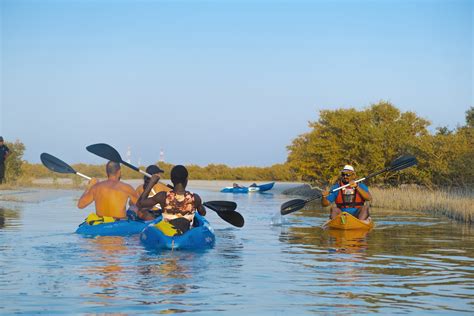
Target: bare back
110 197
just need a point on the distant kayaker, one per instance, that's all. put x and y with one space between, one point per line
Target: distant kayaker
151 213
110 196
236 186
350 199
178 205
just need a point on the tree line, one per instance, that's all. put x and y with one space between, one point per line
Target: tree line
369 139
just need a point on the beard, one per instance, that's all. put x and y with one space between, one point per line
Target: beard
345 181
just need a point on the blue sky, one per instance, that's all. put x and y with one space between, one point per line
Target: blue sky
229 82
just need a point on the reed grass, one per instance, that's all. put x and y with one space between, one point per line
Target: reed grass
455 204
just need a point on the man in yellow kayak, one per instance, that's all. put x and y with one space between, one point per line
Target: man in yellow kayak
178 205
151 213
110 196
350 199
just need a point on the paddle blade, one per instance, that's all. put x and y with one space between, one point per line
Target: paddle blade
222 206
297 204
55 164
403 162
292 206
226 211
105 151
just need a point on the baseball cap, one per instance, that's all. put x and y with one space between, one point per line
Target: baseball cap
348 168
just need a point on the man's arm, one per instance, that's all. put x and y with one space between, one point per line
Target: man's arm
328 196
7 152
198 205
364 192
324 199
148 202
88 195
133 195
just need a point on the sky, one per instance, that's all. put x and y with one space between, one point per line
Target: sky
230 82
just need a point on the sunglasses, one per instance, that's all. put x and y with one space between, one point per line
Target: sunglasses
346 174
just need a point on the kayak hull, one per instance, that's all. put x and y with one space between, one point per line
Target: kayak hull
118 228
258 188
200 237
346 221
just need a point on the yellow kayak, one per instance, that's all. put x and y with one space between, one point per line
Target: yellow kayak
347 221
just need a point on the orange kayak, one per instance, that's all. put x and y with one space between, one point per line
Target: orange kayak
347 221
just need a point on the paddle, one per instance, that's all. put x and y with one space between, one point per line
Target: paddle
57 165
225 209
108 152
400 163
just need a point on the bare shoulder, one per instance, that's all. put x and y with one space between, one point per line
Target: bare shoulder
126 186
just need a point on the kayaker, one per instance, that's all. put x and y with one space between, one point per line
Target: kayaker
350 199
147 213
110 196
178 205
4 153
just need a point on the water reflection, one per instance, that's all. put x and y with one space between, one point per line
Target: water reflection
9 218
408 262
105 255
349 241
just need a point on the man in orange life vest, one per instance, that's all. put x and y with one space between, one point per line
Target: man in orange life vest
350 199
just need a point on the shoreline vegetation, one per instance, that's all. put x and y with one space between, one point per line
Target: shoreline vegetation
456 204
368 139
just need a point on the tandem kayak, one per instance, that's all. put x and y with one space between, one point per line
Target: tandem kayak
347 221
258 188
118 228
199 237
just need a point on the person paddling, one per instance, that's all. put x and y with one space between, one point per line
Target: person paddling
110 196
178 205
350 199
151 213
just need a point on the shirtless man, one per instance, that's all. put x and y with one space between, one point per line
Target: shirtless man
110 196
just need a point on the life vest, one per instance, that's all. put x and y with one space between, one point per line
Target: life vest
349 198
179 206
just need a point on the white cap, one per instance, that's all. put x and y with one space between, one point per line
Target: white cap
348 167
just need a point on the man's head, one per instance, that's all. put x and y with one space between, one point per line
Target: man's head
113 169
347 174
152 169
179 174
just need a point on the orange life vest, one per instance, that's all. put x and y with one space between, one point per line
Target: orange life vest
348 198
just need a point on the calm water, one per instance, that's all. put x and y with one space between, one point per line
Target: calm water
410 263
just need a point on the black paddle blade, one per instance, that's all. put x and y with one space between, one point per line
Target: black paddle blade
55 164
226 211
222 206
292 206
105 151
403 162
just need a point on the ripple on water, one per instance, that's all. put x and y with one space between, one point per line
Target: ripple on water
275 264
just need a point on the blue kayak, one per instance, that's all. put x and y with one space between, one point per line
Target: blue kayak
119 228
199 237
258 188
